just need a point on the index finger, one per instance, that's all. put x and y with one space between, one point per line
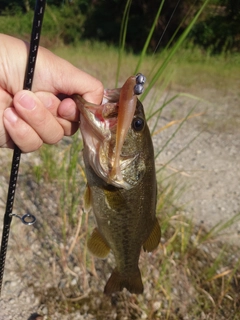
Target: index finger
53 72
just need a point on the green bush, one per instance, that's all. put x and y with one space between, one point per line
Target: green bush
217 34
219 30
71 21
64 24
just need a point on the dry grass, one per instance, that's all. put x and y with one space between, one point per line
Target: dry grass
192 275
191 71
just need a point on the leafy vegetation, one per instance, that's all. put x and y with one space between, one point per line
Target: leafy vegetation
217 31
193 274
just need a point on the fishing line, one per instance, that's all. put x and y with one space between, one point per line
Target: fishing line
164 31
28 218
188 12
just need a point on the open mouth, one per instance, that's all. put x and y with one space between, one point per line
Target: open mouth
104 128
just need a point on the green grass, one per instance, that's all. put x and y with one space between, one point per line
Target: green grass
193 274
191 70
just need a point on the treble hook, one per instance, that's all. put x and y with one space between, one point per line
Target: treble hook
25 218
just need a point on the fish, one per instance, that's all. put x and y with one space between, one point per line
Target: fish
121 187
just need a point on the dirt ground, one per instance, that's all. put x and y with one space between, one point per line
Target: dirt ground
209 168
207 171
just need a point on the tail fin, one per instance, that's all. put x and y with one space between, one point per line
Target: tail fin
117 282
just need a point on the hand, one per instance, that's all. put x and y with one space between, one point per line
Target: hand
29 119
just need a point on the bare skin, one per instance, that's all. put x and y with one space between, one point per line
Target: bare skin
29 119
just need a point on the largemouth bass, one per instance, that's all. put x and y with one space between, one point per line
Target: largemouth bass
121 181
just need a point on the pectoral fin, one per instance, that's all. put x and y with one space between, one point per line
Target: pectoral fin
97 245
154 238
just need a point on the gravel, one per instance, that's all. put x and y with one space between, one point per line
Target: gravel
208 171
209 168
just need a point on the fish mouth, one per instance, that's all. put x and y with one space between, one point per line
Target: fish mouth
98 121
98 125
101 119
104 129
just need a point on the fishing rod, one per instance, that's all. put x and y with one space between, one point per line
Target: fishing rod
27 219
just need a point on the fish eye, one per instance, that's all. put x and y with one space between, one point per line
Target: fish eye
138 124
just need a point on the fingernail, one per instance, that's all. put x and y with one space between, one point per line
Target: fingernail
27 102
70 111
10 115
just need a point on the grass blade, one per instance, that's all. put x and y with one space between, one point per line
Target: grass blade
143 52
122 38
221 226
172 52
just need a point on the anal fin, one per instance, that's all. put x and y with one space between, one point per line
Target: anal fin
97 245
154 238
